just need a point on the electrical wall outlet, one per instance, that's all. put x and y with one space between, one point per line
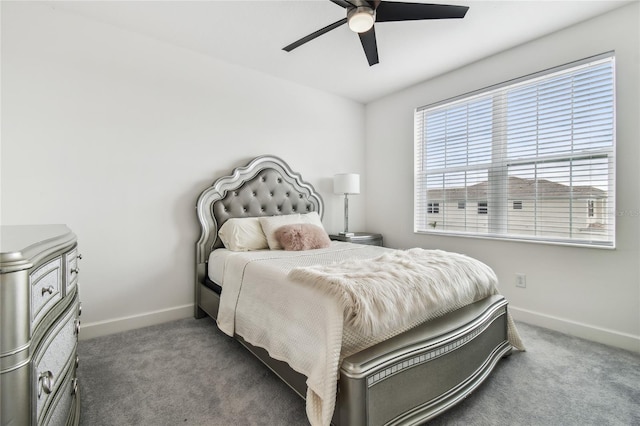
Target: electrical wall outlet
521 280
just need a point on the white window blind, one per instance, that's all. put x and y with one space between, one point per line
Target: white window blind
544 143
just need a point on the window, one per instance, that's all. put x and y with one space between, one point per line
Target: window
543 145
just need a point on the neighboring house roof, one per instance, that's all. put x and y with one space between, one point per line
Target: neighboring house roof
520 189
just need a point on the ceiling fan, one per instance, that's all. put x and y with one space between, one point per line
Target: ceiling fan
362 14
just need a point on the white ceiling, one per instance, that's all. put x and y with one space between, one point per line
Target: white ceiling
253 33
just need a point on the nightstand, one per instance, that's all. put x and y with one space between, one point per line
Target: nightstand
360 238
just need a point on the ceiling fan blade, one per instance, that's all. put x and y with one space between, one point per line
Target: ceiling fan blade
388 11
313 35
368 40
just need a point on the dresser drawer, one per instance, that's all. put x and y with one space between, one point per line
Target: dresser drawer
55 357
46 289
62 406
71 259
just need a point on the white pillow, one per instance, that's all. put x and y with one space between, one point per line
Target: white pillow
312 218
243 234
271 223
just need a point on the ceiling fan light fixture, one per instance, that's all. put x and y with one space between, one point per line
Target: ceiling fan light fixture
361 19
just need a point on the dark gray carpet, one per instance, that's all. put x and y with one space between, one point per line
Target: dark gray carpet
186 372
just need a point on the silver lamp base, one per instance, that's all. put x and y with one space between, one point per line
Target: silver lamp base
346 232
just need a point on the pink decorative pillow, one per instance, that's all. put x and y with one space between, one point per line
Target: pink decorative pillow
302 236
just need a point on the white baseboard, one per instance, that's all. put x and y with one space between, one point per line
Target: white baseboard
563 325
103 328
574 328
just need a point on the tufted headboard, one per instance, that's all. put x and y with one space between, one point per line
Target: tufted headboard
264 187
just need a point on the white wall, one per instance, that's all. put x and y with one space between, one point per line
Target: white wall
116 134
593 293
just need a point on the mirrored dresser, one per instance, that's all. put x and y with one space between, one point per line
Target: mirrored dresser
39 325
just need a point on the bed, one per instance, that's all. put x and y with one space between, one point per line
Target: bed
406 373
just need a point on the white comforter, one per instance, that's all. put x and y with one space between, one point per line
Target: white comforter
298 323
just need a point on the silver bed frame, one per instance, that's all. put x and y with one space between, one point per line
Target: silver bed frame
405 380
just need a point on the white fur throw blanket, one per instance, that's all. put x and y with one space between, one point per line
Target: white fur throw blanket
387 292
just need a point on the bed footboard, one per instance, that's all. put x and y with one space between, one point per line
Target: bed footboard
417 375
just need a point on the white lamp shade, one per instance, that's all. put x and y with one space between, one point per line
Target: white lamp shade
346 183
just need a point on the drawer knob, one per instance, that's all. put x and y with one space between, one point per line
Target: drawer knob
49 290
79 256
77 361
74 386
45 383
75 270
77 327
80 309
